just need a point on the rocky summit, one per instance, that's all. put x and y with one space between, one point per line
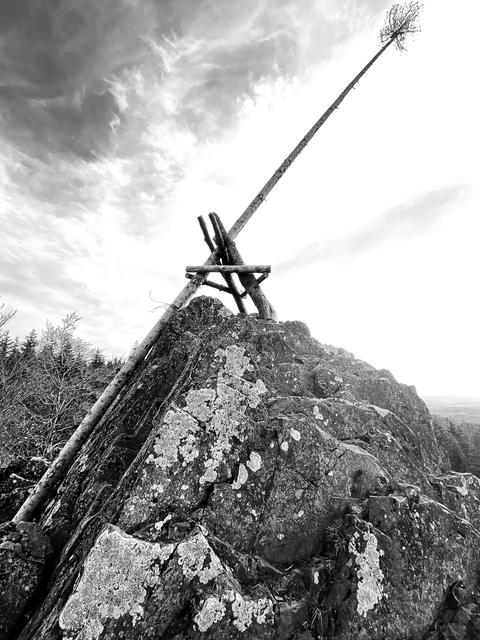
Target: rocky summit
250 482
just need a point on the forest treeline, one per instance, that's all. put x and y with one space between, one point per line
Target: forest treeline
48 381
461 441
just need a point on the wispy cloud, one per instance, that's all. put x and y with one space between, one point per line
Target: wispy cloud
413 217
145 82
105 107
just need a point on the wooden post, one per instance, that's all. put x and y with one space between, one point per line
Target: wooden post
230 288
248 280
214 285
226 273
206 235
263 277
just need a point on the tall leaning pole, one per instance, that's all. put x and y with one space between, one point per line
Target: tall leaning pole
401 20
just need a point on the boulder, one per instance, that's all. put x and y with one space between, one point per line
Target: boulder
251 482
397 565
16 479
24 551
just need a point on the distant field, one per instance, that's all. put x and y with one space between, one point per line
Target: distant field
456 408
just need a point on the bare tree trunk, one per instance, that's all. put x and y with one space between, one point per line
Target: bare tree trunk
57 470
268 186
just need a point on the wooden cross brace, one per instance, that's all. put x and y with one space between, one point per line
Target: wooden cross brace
231 262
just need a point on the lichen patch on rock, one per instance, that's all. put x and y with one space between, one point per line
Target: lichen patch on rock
295 434
245 610
159 525
254 462
234 395
116 575
242 477
369 574
198 402
211 612
198 560
217 410
178 436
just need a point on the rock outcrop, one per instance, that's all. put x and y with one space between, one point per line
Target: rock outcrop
24 552
16 479
253 483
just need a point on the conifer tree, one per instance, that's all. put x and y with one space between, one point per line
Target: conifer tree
463 442
29 345
6 344
474 457
97 360
15 353
457 455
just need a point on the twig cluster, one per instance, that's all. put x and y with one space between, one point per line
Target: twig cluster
401 21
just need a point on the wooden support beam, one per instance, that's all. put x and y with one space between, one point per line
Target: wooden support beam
214 285
229 268
248 280
231 287
206 235
228 276
259 280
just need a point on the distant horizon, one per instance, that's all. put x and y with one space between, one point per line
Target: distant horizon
460 409
452 397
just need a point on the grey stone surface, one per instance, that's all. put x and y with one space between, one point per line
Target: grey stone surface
253 483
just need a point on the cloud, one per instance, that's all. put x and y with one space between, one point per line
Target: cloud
43 281
71 71
111 102
415 216
112 106
55 57
35 264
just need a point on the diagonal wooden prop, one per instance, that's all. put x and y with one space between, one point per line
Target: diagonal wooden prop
231 286
57 470
248 280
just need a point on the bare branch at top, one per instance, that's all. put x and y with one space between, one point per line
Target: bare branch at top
401 21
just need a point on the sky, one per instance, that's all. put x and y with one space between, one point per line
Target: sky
121 121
